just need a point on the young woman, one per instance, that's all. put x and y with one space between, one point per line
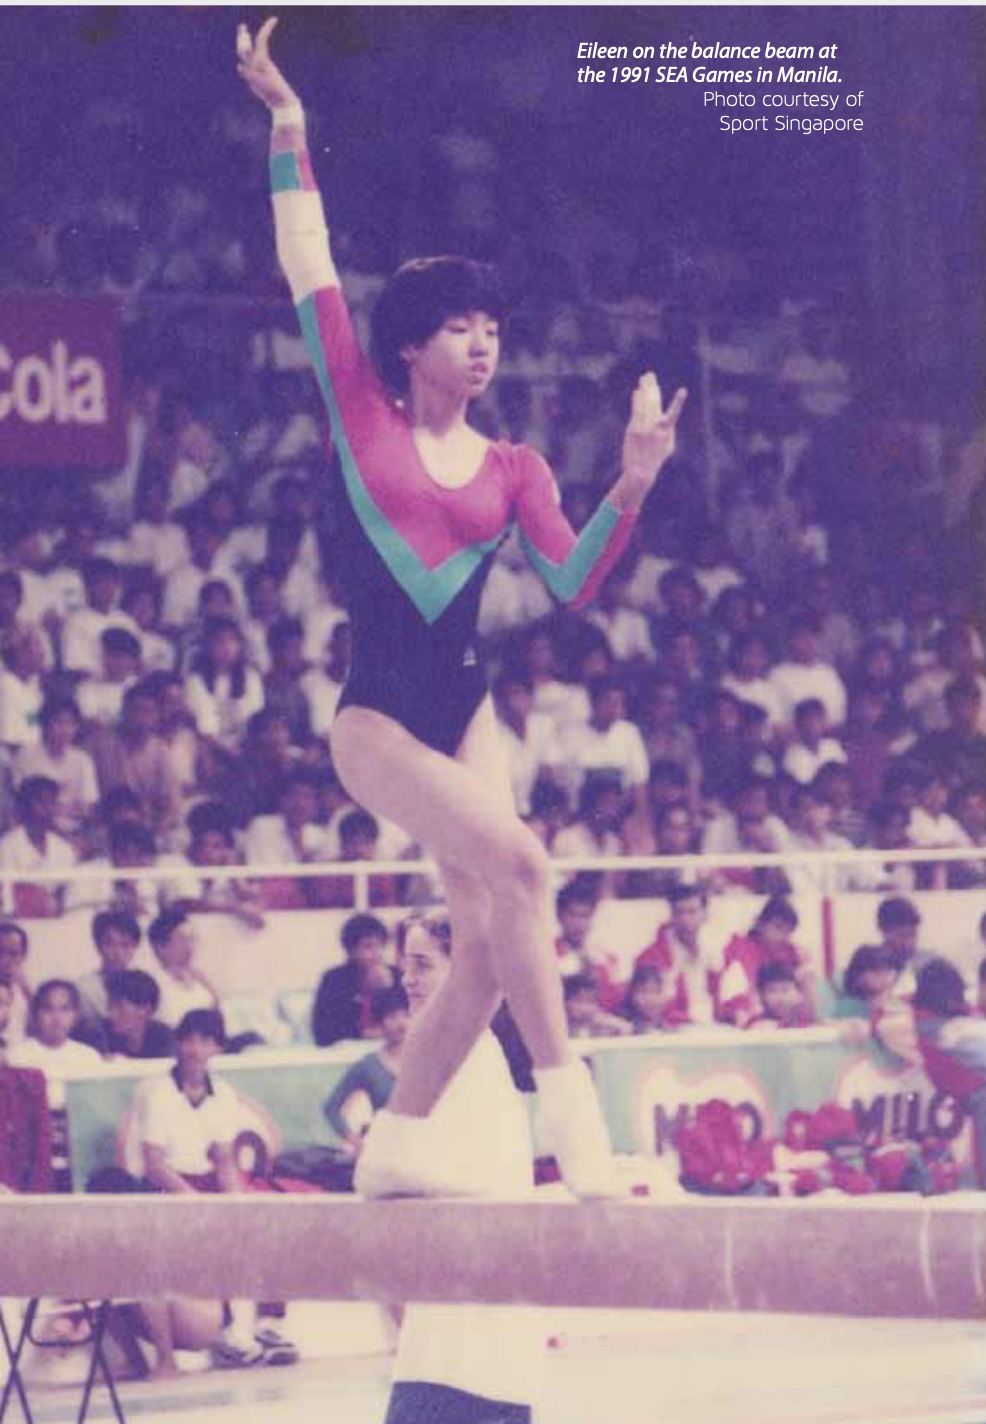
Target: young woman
428 500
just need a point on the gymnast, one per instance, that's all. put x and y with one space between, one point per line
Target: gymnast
415 741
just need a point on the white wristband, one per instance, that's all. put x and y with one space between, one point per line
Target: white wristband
288 115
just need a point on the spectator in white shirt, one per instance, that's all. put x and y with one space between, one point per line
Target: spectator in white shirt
154 538
12 617
597 830
142 600
811 818
21 694
290 837
34 845
530 737
263 591
56 756
956 657
223 691
564 702
749 678
803 674
608 743
184 986
14 946
51 1048
323 685
627 630
812 748
116 936
83 629
184 584
101 698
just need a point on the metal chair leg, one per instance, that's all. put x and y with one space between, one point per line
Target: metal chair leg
14 1352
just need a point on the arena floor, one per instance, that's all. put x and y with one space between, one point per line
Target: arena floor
631 1368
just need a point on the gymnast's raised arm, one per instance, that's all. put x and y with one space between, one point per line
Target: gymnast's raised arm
299 219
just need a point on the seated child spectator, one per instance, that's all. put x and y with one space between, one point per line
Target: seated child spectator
293 835
133 754
597 830
930 827
950 1044
14 947
810 821
781 998
530 737
323 684
51 1048
188 1121
549 813
834 784
645 1001
223 691
767 942
82 631
750 825
343 1004
805 674
898 921
142 600
212 845
958 751
575 908
812 747
359 839
116 935
283 689
183 985
100 698
129 1029
586 1019
34 844
608 744
25 1143
869 981
57 757
686 959
366 1086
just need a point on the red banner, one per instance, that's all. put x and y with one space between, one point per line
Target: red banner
61 398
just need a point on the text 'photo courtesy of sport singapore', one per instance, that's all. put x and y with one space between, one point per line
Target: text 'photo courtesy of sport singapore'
493 714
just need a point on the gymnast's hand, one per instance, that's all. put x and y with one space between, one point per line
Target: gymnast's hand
649 439
255 66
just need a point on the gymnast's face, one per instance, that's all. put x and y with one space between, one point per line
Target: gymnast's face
424 966
460 358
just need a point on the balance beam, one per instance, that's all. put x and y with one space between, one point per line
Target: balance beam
899 1257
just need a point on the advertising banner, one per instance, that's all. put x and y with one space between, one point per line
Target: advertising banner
61 397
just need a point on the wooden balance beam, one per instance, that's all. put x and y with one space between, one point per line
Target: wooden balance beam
899 1256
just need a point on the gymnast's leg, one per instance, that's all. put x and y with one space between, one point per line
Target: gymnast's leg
460 810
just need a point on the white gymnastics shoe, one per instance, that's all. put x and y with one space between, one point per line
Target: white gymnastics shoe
572 1129
400 1157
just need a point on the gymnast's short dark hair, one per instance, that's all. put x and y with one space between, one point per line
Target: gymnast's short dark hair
421 295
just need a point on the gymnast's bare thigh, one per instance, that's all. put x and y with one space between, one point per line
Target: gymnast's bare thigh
460 808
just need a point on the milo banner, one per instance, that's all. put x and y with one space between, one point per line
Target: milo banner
648 1090
61 400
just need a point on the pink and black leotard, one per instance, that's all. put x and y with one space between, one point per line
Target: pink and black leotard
416 554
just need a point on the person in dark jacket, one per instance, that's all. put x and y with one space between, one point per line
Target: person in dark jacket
343 1004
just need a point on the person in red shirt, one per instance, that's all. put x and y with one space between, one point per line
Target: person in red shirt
684 959
767 942
25 1141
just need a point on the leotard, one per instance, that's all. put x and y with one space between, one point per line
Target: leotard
415 553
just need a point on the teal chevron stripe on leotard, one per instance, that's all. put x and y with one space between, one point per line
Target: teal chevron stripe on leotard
566 579
430 590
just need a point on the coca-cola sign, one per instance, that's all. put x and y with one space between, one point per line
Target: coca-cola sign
61 402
